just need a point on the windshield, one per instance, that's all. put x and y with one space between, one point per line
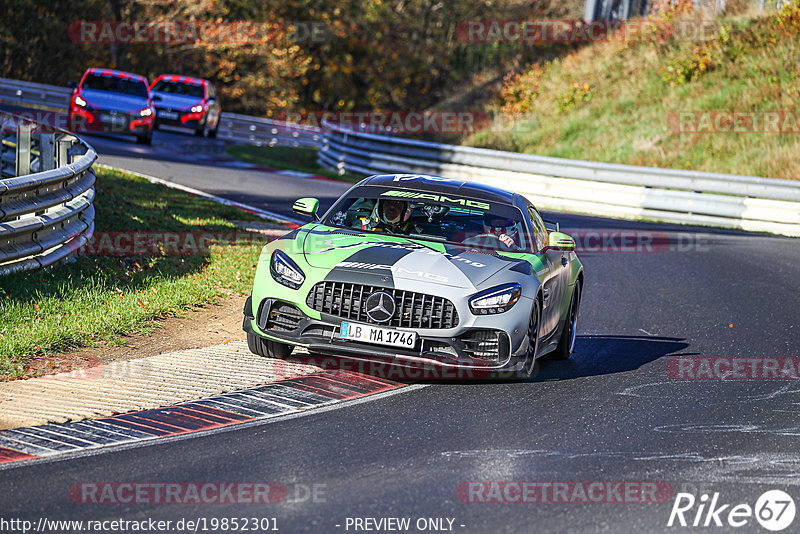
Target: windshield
470 223
178 88
115 84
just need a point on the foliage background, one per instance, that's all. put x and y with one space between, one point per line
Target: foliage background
377 55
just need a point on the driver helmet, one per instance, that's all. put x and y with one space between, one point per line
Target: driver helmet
393 211
503 227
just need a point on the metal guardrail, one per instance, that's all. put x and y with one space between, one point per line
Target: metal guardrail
46 194
232 126
612 190
258 131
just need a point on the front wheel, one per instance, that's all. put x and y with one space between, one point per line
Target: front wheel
534 327
268 348
567 341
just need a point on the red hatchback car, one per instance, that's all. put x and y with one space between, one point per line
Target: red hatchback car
112 101
188 102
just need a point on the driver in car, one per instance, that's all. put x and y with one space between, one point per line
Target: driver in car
390 216
503 228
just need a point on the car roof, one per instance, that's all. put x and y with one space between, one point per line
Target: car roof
116 74
181 79
421 182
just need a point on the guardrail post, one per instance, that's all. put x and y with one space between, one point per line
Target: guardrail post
7 150
47 151
24 148
62 154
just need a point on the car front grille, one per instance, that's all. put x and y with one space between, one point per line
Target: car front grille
413 310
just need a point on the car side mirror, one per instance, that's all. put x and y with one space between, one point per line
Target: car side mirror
560 241
212 100
307 207
72 85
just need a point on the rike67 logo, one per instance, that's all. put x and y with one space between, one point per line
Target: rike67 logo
774 510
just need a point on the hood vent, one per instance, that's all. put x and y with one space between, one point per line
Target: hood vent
346 232
484 252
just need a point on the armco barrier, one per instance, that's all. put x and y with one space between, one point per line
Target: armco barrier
611 190
232 127
46 194
258 131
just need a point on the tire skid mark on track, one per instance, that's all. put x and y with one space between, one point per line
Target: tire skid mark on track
278 398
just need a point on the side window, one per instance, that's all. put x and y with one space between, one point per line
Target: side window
211 92
539 231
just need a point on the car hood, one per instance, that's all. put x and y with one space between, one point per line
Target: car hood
113 101
349 252
173 101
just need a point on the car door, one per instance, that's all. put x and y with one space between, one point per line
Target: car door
553 283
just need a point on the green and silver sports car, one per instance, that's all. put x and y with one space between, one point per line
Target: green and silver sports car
423 271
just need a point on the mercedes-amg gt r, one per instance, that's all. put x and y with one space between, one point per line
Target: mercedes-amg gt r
423 271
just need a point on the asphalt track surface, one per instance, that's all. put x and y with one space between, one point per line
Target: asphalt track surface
202 163
611 413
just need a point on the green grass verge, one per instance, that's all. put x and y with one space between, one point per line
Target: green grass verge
620 102
100 298
301 159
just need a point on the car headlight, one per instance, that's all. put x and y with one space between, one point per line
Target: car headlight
197 109
285 271
79 101
495 300
146 112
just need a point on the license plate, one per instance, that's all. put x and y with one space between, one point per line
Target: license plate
378 335
113 119
167 115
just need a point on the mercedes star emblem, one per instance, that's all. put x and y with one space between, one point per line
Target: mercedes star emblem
380 306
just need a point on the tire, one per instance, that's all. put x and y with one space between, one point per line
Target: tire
213 133
268 348
531 364
567 341
200 131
